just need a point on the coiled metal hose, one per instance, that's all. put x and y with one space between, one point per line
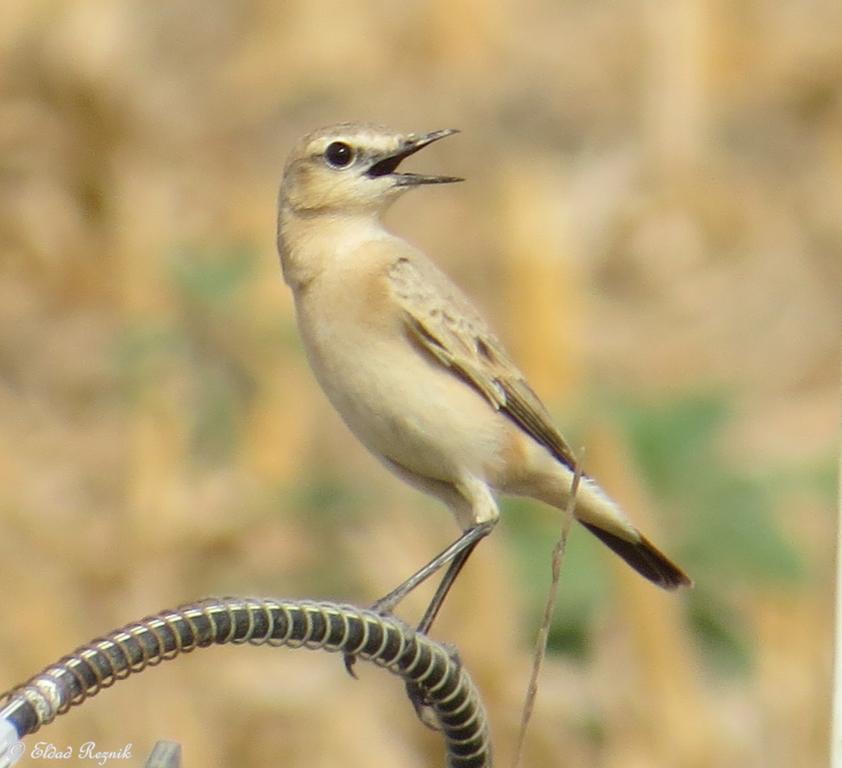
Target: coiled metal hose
383 640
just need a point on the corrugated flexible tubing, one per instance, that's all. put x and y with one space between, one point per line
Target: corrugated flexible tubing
383 640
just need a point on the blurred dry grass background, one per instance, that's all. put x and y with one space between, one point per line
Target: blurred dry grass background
656 187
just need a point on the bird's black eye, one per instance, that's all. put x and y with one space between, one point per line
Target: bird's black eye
339 154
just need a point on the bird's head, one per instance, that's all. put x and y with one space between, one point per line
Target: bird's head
352 167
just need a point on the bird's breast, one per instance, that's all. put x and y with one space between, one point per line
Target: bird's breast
399 402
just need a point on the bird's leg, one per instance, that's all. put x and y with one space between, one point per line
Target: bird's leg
456 555
447 582
413 691
457 552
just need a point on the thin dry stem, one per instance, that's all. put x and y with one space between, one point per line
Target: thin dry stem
549 607
836 715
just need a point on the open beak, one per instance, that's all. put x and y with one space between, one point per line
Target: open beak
387 165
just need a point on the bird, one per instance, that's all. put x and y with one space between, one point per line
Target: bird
412 367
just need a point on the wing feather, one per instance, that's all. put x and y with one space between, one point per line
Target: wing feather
443 322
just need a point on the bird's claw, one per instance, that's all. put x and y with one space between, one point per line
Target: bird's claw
350 659
423 707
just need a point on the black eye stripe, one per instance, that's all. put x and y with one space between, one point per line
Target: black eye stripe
339 154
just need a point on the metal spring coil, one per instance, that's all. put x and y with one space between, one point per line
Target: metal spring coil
383 640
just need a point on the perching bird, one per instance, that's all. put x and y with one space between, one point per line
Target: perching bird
409 363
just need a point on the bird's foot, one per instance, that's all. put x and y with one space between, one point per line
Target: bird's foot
382 607
423 706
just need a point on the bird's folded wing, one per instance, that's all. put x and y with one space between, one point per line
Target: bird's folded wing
444 324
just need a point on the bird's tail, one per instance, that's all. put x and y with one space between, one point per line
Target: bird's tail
596 512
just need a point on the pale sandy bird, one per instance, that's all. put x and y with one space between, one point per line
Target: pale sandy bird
410 364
